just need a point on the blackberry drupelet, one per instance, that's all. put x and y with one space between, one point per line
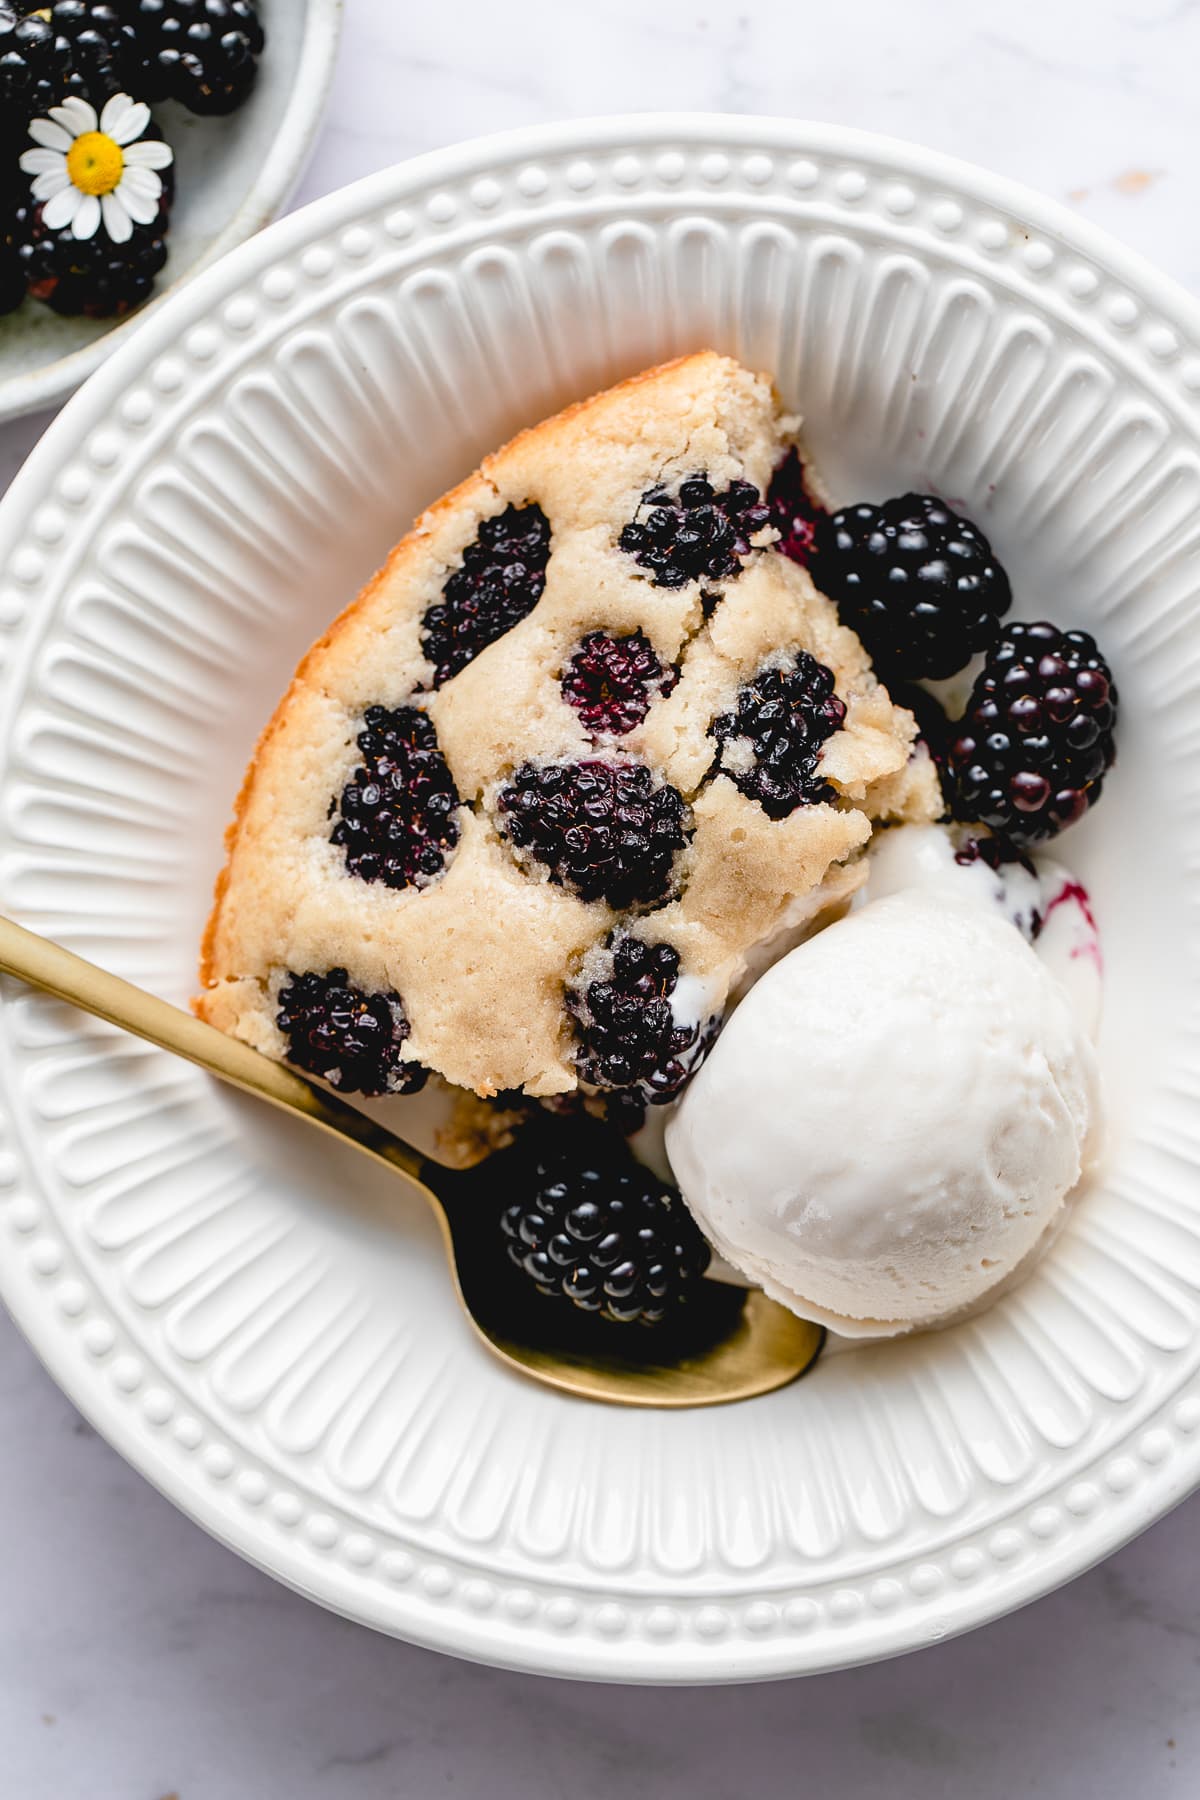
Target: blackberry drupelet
611 681
783 717
14 183
1036 740
608 831
629 1037
699 535
12 278
203 53
793 513
12 268
598 1229
501 579
350 1039
919 584
93 276
398 814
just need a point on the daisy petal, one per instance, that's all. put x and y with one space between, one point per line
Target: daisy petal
44 131
142 208
115 108
152 154
142 181
130 122
51 183
87 217
117 221
60 209
37 162
75 116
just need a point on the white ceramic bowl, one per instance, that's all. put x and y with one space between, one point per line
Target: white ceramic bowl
267 1333
233 176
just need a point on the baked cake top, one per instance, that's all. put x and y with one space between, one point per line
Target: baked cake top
582 748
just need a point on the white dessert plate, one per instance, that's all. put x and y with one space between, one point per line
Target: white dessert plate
268 1335
233 175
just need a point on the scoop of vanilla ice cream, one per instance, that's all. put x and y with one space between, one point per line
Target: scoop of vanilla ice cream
892 1118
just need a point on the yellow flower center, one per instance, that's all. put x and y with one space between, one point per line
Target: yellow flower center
95 163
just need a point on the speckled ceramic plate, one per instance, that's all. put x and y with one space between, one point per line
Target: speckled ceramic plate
267 1332
233 176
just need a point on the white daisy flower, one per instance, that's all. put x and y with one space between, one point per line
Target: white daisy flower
88 169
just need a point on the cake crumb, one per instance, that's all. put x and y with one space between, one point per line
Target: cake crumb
476 1130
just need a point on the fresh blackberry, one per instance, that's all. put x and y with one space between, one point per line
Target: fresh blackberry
398 814
500 580
608 831
203 53
349 1038
104 54
1036 740
34 62
598 1229
93 276
611 681
629 1036
698 535
71 48
919 584
771 742
793 513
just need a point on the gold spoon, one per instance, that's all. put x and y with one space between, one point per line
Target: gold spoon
727 1343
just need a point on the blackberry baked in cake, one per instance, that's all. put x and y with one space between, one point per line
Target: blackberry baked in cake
590 745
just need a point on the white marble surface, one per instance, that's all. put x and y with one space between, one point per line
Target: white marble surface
137 1658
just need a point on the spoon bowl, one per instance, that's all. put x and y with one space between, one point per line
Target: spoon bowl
728 1343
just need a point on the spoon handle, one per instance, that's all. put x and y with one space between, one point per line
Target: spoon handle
40 964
